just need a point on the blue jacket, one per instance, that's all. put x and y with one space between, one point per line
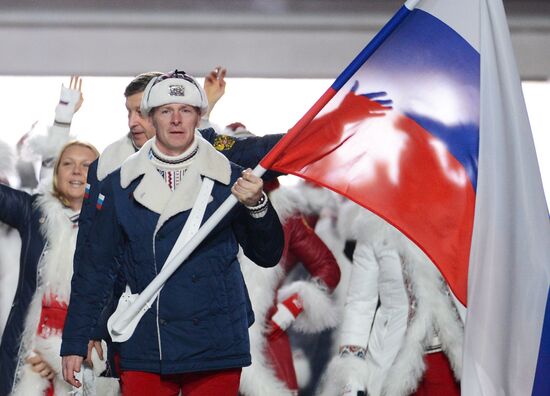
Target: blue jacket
244 152
18 210
200 320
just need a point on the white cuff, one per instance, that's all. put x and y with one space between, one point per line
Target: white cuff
283 317
259 210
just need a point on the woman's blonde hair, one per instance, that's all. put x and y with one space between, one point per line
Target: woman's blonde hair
56 193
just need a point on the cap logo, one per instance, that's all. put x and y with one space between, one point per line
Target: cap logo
177 90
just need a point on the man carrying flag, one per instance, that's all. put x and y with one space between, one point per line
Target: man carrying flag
194 337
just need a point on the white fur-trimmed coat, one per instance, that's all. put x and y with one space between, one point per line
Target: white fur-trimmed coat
113 156
55 271
414 300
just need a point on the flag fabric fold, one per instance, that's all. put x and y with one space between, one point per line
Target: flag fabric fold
510 256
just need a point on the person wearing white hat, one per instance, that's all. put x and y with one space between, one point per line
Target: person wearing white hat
246 153
194 337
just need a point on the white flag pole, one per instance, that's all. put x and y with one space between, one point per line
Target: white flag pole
411 4
179 254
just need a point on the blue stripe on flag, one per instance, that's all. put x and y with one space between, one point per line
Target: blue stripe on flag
435 86
541 387
370 48
462 141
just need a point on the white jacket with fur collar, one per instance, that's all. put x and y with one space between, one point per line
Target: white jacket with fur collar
414 302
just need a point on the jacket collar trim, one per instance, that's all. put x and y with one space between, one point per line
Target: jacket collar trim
153 192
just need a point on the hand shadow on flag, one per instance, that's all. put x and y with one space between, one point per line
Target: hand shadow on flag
325 134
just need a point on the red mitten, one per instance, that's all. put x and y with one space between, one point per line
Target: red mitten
287 312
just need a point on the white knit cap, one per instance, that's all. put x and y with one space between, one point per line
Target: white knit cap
174 87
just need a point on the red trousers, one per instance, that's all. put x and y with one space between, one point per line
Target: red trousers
438 379
204 383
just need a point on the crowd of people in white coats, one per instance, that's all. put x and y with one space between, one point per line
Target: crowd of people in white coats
351 308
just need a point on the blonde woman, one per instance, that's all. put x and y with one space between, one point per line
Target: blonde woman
48 224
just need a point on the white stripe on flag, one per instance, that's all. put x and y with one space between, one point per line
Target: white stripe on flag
510 256
462 16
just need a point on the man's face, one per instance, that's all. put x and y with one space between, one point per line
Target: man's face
140 127
175 125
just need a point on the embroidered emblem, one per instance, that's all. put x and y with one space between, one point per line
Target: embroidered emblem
87 191
100 200
354 350
177 90
223 142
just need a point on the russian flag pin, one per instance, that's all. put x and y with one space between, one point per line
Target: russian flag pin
100 200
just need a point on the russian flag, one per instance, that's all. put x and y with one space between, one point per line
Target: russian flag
87 191
100 201
453 166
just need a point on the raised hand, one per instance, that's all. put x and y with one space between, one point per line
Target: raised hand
70 100
76 85
214 86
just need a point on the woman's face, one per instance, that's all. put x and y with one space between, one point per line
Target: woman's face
72 173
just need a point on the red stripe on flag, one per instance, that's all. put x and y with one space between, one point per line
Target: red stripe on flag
419 188
296 129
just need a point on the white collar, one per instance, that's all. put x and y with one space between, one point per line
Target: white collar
209 162
153 192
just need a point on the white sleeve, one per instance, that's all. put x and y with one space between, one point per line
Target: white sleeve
47 146
361 298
